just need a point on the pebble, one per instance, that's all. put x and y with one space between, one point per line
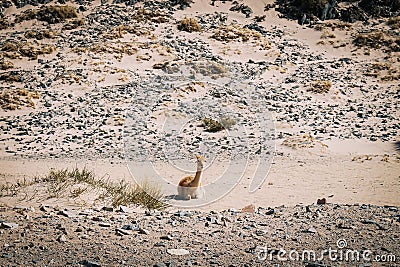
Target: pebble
178 252
8 225
62 239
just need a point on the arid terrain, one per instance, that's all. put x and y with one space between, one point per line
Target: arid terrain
104 105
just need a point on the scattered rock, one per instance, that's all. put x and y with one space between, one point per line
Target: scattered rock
8 225
178 252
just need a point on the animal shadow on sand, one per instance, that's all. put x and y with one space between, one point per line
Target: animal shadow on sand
174 197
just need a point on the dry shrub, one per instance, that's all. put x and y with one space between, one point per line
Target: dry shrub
50 14
73 24
328 35
6 64
16 98
378 40
145 15
121 30
333 25
302 141
213 126
4 24
118 49
319 87
119 193
209 68
13 49
238 33
386 71
235 32
189 25
39 35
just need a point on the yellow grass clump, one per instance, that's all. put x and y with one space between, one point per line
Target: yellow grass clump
238 33
320 87
50 14
17 98
378 40
189 25
26 49
121 30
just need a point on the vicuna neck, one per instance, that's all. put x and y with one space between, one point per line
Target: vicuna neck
197 177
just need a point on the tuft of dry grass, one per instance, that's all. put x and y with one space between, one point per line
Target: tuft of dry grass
378 40
50 14
73 183
4 24
328 35
320 87
75 23
39 35
6 64
12 99
119 49
121 30
302 141
189 25
238 33
213 126
14 49
387 71
145 15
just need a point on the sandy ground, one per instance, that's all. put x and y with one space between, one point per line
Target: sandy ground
343 171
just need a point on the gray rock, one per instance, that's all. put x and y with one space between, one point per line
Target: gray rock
62 239
144 231
178 251
119 231
87 263
8 225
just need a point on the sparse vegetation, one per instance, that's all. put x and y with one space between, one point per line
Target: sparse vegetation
144 15
211 69
238 33
39 35
119 49
17 98
75 182
320 87
50 14
213 126
14 49
189 25
121 30
302 141
75 23
378 40
333 25
6 64
386 71
328 35
4 24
